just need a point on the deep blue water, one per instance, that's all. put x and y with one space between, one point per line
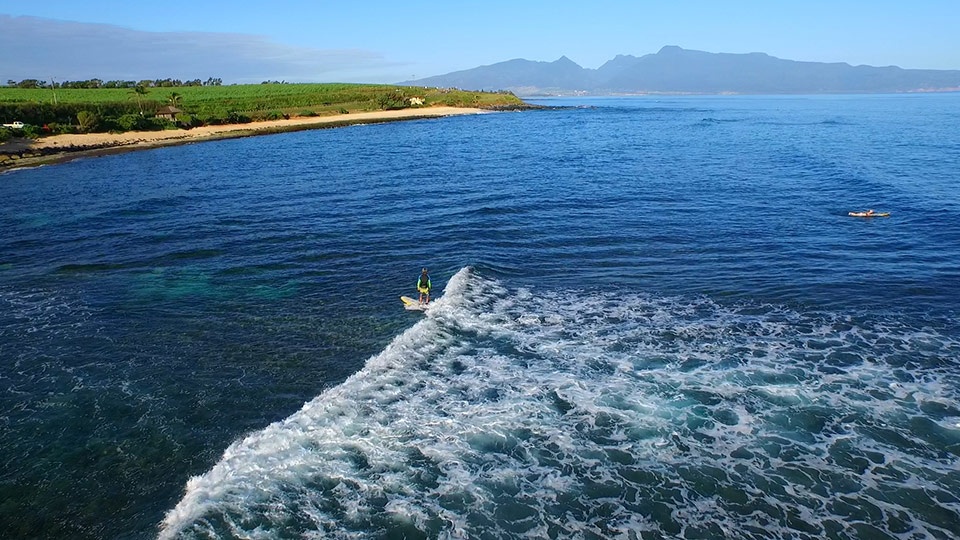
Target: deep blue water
656 320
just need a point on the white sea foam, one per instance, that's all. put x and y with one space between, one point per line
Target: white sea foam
552 414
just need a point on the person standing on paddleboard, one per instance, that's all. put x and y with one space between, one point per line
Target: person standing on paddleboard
423 286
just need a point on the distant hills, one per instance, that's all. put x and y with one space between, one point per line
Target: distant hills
674 70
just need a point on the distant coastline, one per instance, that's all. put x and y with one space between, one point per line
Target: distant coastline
18 153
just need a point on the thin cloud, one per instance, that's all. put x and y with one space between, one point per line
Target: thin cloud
38 48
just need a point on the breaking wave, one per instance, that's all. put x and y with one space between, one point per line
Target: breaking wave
518 413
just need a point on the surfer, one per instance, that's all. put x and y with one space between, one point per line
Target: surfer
423 286
868 213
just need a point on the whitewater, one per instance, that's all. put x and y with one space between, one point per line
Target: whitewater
507 413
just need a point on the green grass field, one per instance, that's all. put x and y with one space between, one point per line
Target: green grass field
251 98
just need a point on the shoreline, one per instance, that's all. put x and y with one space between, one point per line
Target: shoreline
23 153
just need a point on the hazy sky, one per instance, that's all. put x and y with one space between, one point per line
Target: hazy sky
390 41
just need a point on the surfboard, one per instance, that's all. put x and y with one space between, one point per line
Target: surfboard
864 214
413 304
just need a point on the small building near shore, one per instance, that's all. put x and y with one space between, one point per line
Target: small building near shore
168 113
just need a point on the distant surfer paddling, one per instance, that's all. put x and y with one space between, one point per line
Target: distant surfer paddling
423 286
868 213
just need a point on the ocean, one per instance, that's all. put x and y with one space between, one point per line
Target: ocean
652 318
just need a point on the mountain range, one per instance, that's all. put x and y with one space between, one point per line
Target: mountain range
674 70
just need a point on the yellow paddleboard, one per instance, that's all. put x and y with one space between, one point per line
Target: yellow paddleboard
413 304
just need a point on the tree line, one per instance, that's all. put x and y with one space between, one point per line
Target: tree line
98 83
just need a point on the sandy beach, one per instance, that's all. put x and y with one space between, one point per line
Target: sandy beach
58 148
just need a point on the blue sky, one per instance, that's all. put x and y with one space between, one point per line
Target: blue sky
377 41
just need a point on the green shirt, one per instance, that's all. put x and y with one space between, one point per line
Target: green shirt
429 285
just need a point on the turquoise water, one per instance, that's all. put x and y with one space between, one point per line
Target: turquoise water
655 321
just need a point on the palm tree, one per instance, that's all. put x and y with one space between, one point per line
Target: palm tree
174 99
140 91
